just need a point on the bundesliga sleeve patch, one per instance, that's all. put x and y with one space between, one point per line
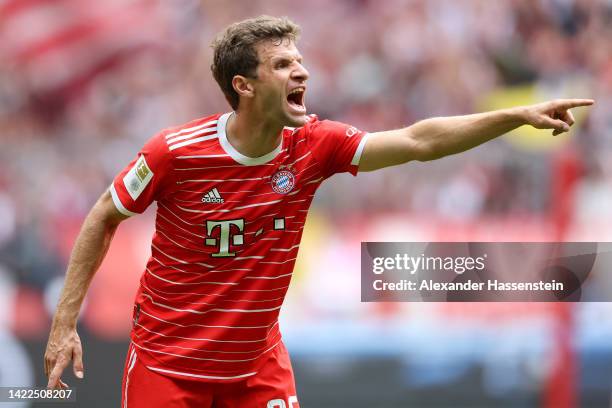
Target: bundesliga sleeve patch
137 178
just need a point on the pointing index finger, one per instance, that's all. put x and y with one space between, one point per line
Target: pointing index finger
572 103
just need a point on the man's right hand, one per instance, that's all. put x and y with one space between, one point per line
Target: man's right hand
89 249
64 345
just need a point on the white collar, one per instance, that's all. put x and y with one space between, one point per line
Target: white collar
235 154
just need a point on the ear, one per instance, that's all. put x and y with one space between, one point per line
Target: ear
243 86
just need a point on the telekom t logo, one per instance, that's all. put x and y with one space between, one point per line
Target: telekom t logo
224 236
228 233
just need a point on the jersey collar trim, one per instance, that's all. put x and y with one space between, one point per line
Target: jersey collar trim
235 154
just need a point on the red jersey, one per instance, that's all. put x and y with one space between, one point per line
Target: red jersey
227 233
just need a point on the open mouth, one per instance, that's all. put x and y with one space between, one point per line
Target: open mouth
296 99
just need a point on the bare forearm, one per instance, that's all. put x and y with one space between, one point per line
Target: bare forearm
439 137
89 250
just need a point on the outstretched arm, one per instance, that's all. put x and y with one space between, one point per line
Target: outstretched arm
87 255
438 137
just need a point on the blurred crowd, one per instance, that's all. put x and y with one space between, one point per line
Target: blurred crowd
84 85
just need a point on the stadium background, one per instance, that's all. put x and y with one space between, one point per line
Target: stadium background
84 84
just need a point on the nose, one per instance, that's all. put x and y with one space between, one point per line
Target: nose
300 74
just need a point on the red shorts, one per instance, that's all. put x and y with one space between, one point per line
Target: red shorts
272 387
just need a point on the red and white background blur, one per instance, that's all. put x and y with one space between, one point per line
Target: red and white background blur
84 84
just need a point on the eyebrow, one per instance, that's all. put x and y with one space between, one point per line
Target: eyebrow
276 58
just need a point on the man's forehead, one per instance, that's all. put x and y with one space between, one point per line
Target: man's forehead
277 49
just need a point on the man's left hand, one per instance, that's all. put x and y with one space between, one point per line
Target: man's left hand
553 114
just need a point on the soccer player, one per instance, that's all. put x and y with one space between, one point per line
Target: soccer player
233 191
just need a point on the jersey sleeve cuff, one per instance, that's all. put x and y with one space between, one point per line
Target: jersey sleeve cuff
120 207
359 151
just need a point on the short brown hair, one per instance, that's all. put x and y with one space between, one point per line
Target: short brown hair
235 53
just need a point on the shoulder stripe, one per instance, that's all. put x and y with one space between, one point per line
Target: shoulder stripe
192 141
191 129
210 130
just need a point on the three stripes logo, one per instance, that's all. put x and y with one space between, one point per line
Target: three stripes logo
213 196
186 137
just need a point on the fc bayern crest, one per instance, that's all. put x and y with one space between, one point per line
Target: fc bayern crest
283 181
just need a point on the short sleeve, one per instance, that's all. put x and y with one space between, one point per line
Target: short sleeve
336 146
143 180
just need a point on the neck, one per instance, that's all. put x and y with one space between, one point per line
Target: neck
251 134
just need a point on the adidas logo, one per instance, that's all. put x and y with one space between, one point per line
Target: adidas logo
212 196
